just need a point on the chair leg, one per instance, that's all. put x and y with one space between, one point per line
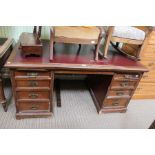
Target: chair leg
97 46
107 41
96 52
106 47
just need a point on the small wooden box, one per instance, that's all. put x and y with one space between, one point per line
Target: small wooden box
31 44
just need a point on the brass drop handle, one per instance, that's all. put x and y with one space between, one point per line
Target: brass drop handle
34 108
119 93
32 74
33 83
124 84
115 103
33 95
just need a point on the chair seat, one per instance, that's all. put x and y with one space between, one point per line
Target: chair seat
129 32
77 32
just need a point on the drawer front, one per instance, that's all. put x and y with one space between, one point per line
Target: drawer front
123 85
115 102
119 93
33 106
32 73
33 83
126 77
33 95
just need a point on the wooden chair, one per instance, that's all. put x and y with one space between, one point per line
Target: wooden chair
76 35
126 34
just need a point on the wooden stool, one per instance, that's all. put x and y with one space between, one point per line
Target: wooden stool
76 35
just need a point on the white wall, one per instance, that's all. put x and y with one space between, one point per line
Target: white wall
15 31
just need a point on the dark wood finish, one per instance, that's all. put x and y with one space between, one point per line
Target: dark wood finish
33 94
33 106
113 93
102 76
31 43
5 50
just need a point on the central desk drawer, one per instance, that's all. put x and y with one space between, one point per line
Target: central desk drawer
115 102
33 83
32 73
123 85
33 95
123 77
33 106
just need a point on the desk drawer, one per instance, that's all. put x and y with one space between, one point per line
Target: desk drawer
119 93
33 95
33 106
32 73
123 85
33 83
123 77
115 102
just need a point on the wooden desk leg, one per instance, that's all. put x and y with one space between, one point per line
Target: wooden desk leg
58 93
2 96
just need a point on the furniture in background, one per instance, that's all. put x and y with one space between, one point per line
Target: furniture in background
5 50
111 82
30 43
125 34
146 88
76 35
152 126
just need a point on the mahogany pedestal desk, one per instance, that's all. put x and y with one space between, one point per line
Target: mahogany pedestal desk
111 81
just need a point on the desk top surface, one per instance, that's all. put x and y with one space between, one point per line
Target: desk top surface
66 58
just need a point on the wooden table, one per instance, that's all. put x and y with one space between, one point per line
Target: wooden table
5 50
112 81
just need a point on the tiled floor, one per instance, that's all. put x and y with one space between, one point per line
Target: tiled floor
78 111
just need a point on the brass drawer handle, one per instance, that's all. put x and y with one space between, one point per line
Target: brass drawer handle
115 103
33 95
32 74
124 84
119 93
33 83
34 108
